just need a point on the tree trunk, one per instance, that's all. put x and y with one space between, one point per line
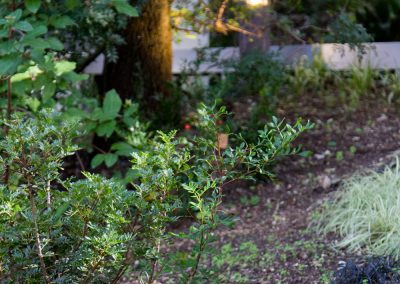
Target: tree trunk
144 67
260 19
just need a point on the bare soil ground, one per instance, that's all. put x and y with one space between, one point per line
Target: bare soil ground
274 240
274 219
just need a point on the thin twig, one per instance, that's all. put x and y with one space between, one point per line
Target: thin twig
37 236
6 127
80 161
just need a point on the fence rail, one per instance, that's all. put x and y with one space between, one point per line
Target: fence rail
379 55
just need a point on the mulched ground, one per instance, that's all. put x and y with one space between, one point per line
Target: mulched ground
276 217
274 240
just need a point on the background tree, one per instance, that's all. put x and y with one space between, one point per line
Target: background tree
143 70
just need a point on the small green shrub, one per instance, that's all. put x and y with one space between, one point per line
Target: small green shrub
365 213
92 230
53 230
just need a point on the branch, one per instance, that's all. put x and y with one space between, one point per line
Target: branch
222 27
37 237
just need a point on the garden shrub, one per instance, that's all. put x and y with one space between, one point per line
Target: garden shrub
365 213
93 230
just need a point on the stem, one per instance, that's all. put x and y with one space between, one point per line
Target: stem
37 237
93 269
48 195
198 257
6 127
154 266
80 161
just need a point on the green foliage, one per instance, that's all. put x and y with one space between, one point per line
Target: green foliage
364 213
254 75
345 88
290 21
119 123
39 39
93 229
53 230
380 19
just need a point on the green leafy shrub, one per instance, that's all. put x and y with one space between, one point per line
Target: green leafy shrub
53 230
93 230
365 213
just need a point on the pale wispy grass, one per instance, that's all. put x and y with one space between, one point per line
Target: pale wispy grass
366 213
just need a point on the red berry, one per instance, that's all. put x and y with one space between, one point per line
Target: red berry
187 126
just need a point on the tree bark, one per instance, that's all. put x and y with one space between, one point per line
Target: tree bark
144 67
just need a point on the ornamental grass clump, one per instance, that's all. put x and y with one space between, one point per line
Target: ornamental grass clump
366 213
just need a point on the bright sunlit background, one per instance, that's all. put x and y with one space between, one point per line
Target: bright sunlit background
257 2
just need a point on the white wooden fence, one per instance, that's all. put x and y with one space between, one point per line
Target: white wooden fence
379 55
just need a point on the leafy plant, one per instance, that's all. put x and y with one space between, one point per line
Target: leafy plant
120 121
364 213
93 229
54 230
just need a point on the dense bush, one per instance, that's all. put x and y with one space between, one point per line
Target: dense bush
92 230
365 213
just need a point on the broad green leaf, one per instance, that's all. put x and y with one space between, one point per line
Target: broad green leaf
48 90
111 105
32 103
123 7
55 44
97 160
110 159
37 31
30 73
62 22
14 16
74 77
9 64
36 43
122 149
71 4
33 5
106 128
97 114
133 108
64 66
23 26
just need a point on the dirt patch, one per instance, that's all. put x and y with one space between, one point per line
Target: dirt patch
276 217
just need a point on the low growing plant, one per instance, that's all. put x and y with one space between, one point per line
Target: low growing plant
365 213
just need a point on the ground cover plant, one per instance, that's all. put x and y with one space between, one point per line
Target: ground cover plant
364 213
